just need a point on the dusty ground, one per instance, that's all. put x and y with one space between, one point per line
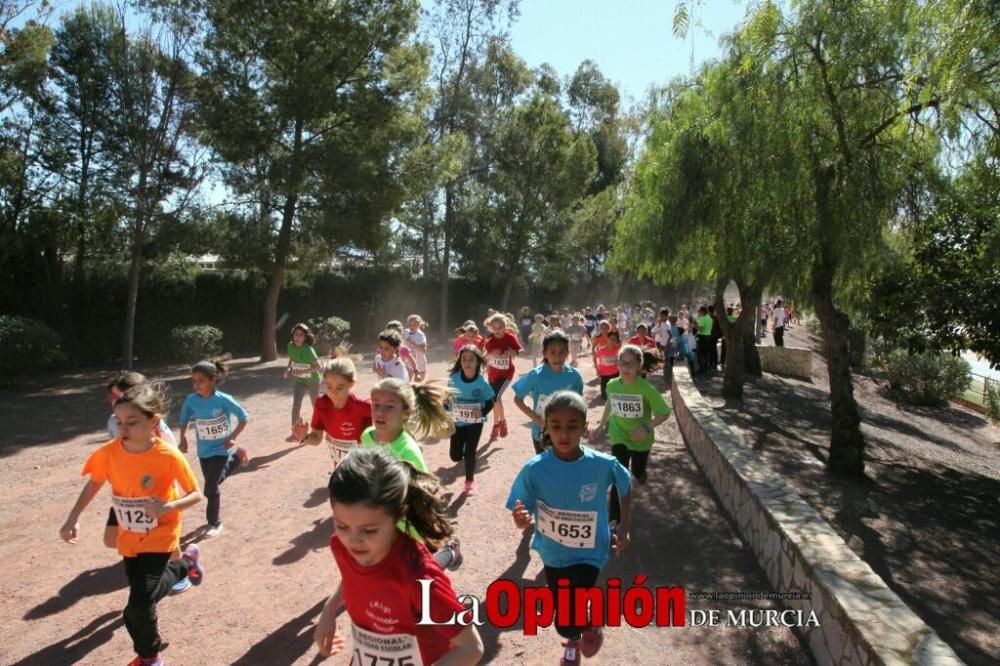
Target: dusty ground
270 572
926 518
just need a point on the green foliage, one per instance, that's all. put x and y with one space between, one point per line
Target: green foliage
27 345
195 342
992 391
331 332
928 378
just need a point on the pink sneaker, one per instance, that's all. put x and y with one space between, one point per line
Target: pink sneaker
591 642
244 457
470 487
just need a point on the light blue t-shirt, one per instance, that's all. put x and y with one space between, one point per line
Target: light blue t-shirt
470 398
212 421
541 383
163 433
569 501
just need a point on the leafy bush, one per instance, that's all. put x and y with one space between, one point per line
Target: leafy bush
992 391
196 342
27 344
813 326
330 332
928 378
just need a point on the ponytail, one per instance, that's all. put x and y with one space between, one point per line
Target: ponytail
214 369
429 414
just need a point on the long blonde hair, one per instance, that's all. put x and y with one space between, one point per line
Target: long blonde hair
425 402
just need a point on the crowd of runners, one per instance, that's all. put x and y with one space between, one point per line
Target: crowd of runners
390 530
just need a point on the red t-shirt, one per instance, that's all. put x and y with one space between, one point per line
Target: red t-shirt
462 340
606 360
500 345
386 598
345 424
642 341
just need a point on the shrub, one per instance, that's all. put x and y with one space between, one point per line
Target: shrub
813 326
992 394
196 342
928 378
330 332
27 344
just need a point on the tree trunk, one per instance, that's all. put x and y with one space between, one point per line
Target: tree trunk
741 357
133 293
449 214
508 286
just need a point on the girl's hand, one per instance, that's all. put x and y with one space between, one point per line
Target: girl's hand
154 508
69 531
522 517
300 430
183 446
619 540
325 636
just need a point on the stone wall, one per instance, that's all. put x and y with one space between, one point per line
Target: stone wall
790 361
861 621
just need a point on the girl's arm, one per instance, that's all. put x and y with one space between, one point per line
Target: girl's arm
528 411
620 539
325 634
313 438
183 445
466 649
602 425
69 530
157 507
288 368
236 433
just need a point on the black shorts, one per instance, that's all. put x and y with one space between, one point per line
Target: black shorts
499 386
112 518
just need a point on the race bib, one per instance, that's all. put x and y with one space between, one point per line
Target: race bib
573 529
371 649
469 412
216 428
302 369
130 515
543 401
339 448
499 362
607 361
626 405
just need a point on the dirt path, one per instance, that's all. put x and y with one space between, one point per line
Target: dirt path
926 517
271 570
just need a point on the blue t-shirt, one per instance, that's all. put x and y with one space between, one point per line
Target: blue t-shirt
212 421
470 399
541 383
569 501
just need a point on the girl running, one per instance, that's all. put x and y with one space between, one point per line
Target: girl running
542 382
388 362
212 412
474 398
340 416
380 568
469 336
144 473
563 493
501 349
417 342
631 414
536 336
606 360
303 365
577 332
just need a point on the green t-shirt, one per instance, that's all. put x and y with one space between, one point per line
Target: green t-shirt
731 318
705 325
406 449
640 399
302 359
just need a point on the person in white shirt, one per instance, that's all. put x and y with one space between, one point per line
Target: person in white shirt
779 324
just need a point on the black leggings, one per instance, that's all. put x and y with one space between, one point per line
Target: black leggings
464 443
216 469
604 384
634 460
579 575
150 577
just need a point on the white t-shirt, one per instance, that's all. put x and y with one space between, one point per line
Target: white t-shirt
779 316
393 368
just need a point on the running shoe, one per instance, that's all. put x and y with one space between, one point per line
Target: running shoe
146 661
291 438
591 642
213 531
196 574
503 428
571 653
470 487
244 457
183 585
455 547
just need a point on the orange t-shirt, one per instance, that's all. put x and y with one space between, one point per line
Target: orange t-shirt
599 340
142 475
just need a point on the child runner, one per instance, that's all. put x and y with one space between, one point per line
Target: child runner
415 339
340 416
576 332
641 338
633 411
303 365
563 492
143 472
544 381
388 362
396 403
606 360
212 412
469 336
536 336
117 386
470 408
380 568
501 349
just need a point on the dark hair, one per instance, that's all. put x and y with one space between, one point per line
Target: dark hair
567 400
650 359
556 335
391 336
616 335
376 478
310 338
125 380
665 312
150 399
216 370
480 359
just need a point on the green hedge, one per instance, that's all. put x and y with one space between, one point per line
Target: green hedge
27 345
928 378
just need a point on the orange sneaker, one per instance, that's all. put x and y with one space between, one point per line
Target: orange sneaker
503 428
